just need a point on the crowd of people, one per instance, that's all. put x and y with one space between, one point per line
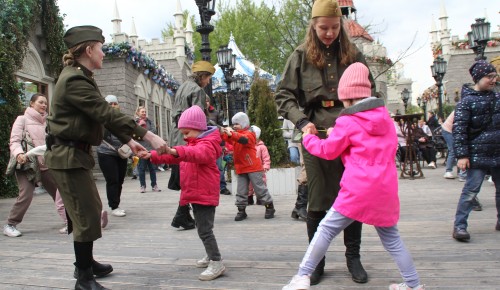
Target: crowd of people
340 134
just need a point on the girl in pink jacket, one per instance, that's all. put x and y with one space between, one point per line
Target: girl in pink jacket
364 137
199 181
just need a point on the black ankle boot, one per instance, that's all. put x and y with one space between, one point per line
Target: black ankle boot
241 215
86 281
99 270
269 211
318 272
183 218
250 200
357 271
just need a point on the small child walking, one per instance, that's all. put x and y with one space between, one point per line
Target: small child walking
263 155
365 138
247 166
199 181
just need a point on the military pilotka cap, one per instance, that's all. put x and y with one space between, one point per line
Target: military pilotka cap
203 66
326 8
78 34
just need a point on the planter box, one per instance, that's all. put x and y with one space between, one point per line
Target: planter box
280 181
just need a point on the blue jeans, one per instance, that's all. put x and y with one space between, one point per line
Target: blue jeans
141 167
294 154
451 160
472 186
222 181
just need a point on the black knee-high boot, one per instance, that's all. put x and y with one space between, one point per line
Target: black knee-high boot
352 242
85 277
300 210
183 218
313 220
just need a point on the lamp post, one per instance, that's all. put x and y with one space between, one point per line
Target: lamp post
422 103
227 62
478 37
438 70
405 96
206 12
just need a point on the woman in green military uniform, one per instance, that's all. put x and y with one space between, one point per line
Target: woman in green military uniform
78 113
310 81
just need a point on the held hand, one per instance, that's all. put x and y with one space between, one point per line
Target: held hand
156 141
329 131
136 147
21 158
144 155
311 128
463 163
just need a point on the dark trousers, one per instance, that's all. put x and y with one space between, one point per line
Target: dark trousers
204 216
174 183
114 169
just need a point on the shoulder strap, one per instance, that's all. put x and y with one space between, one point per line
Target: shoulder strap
109 145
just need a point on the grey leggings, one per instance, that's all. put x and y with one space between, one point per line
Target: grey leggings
334 223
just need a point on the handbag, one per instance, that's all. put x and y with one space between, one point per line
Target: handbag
123 151
32 162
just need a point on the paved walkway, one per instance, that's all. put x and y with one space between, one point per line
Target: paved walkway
147 253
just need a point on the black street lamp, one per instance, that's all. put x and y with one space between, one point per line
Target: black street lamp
438 70
405 96
206 12
227 62
422 103
478 37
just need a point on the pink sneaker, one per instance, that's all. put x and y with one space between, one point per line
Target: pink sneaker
104 219
156 189
143 189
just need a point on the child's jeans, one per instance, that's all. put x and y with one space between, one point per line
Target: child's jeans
204 216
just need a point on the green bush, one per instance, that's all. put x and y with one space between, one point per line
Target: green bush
266 118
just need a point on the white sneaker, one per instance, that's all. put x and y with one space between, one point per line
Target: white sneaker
64 230
490 180
298 283
403 286
118 212
11 231
203 263
161 168
214 270
432 165
449 175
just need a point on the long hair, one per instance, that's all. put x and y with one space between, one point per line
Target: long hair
76 52
315 55
197 76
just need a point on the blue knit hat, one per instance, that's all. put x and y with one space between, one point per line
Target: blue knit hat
480 69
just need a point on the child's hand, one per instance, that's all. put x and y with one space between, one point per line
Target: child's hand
228 131
307 132
329 131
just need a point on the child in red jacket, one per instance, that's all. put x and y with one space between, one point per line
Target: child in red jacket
263 155
247 166
199 181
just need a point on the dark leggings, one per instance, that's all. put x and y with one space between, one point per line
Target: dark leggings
83 254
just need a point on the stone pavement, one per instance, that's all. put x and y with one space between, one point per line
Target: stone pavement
147 253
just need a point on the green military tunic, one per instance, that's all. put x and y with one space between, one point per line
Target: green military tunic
77 113
188 95
306 87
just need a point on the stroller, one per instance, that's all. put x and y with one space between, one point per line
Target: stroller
440 143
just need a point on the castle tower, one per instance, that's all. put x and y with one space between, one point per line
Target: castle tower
434 33
444 33
179 34
348 8
117 35
189 32
133 34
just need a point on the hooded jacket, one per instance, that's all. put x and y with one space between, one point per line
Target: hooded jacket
198 167
263 155
365 139
244 151
473 113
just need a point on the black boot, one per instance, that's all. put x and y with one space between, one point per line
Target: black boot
300 210
241 215
250 200
269 211
99 270
313 220
183 218
352 242
86 281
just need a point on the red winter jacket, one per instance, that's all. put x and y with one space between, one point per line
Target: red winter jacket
244 152
198 168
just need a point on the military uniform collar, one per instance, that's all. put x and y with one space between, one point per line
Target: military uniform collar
86 71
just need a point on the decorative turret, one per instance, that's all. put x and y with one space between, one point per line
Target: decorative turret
179 35
348 9
434 33
444 33
117 26
189 32
133 34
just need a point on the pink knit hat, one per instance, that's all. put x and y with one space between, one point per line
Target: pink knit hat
193 118
354 83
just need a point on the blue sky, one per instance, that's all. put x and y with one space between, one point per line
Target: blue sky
396 23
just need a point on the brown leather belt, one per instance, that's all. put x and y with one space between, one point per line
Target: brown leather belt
70 143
